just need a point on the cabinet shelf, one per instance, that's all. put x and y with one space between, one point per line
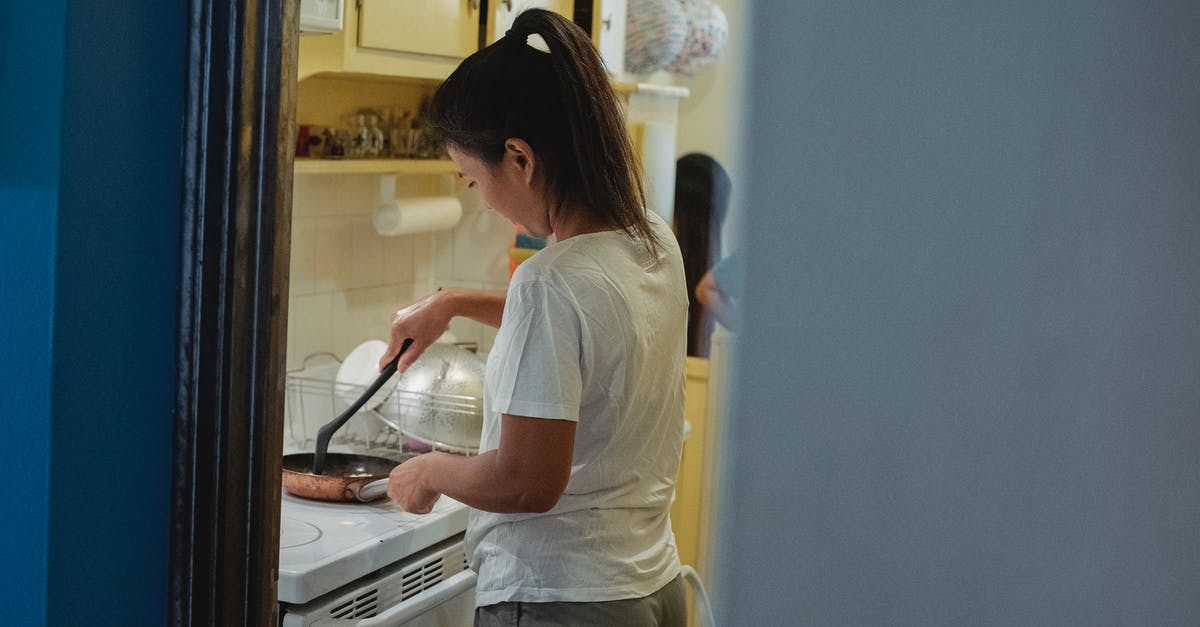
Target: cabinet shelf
375 166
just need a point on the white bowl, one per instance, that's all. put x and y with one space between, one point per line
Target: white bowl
359 371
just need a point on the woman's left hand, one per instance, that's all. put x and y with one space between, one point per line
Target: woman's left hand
406 487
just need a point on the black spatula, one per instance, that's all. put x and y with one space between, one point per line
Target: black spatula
326 432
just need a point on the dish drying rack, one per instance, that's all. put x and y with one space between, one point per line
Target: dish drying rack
406 421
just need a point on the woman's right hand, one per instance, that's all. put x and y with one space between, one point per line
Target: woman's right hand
711 296
424 321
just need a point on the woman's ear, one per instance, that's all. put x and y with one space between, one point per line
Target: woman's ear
521 154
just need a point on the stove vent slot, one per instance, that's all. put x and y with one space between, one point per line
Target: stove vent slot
361 606
422 577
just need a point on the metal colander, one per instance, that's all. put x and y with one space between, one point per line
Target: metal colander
439 399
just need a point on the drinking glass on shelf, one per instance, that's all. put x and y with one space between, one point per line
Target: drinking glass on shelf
360 138
424 146
395 142
374 138
395 120
407 142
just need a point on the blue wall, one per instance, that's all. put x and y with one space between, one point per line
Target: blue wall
30 93
970 390
92 103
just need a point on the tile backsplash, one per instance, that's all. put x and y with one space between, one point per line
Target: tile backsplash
346 280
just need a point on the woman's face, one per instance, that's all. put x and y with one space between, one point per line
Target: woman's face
506 189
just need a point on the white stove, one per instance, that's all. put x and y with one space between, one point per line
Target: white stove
323 546
365 564
372 564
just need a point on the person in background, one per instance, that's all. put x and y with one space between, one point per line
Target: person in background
583 396
718 290
702 189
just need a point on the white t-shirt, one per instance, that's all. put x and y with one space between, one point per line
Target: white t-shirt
594 331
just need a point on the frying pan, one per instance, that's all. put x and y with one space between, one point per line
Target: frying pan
350 477
340 476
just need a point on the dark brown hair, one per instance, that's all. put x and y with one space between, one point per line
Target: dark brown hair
702 189
562 104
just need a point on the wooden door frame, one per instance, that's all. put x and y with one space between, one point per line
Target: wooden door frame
237 185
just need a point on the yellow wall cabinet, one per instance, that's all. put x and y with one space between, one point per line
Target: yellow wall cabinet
395 52
412 38
447 28
690 486
406 38
502 13
697 497
608 33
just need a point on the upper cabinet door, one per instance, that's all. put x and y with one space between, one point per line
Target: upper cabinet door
503 12
608 31
447 28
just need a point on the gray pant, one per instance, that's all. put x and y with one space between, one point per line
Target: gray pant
665 608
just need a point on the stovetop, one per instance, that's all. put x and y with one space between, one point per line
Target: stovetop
324 546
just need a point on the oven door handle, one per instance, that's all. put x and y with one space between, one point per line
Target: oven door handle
414 607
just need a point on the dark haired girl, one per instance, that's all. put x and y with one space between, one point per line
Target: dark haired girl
702 190
583 402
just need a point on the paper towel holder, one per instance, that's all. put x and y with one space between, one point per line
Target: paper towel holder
394 216
387 187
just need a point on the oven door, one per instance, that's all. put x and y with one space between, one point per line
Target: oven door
432 589
450 604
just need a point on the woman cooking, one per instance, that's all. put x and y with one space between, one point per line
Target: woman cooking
583 401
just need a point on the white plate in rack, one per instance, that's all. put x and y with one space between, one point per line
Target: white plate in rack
359 371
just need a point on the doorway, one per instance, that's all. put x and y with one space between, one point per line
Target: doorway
238 125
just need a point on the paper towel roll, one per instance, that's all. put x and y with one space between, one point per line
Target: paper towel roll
417 215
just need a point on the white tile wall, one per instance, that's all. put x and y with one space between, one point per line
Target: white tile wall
310 327
346 280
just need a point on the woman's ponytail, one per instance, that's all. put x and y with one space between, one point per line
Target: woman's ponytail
562 103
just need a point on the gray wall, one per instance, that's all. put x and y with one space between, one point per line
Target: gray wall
969 392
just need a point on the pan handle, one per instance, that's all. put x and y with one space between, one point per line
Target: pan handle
326 432
373 490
